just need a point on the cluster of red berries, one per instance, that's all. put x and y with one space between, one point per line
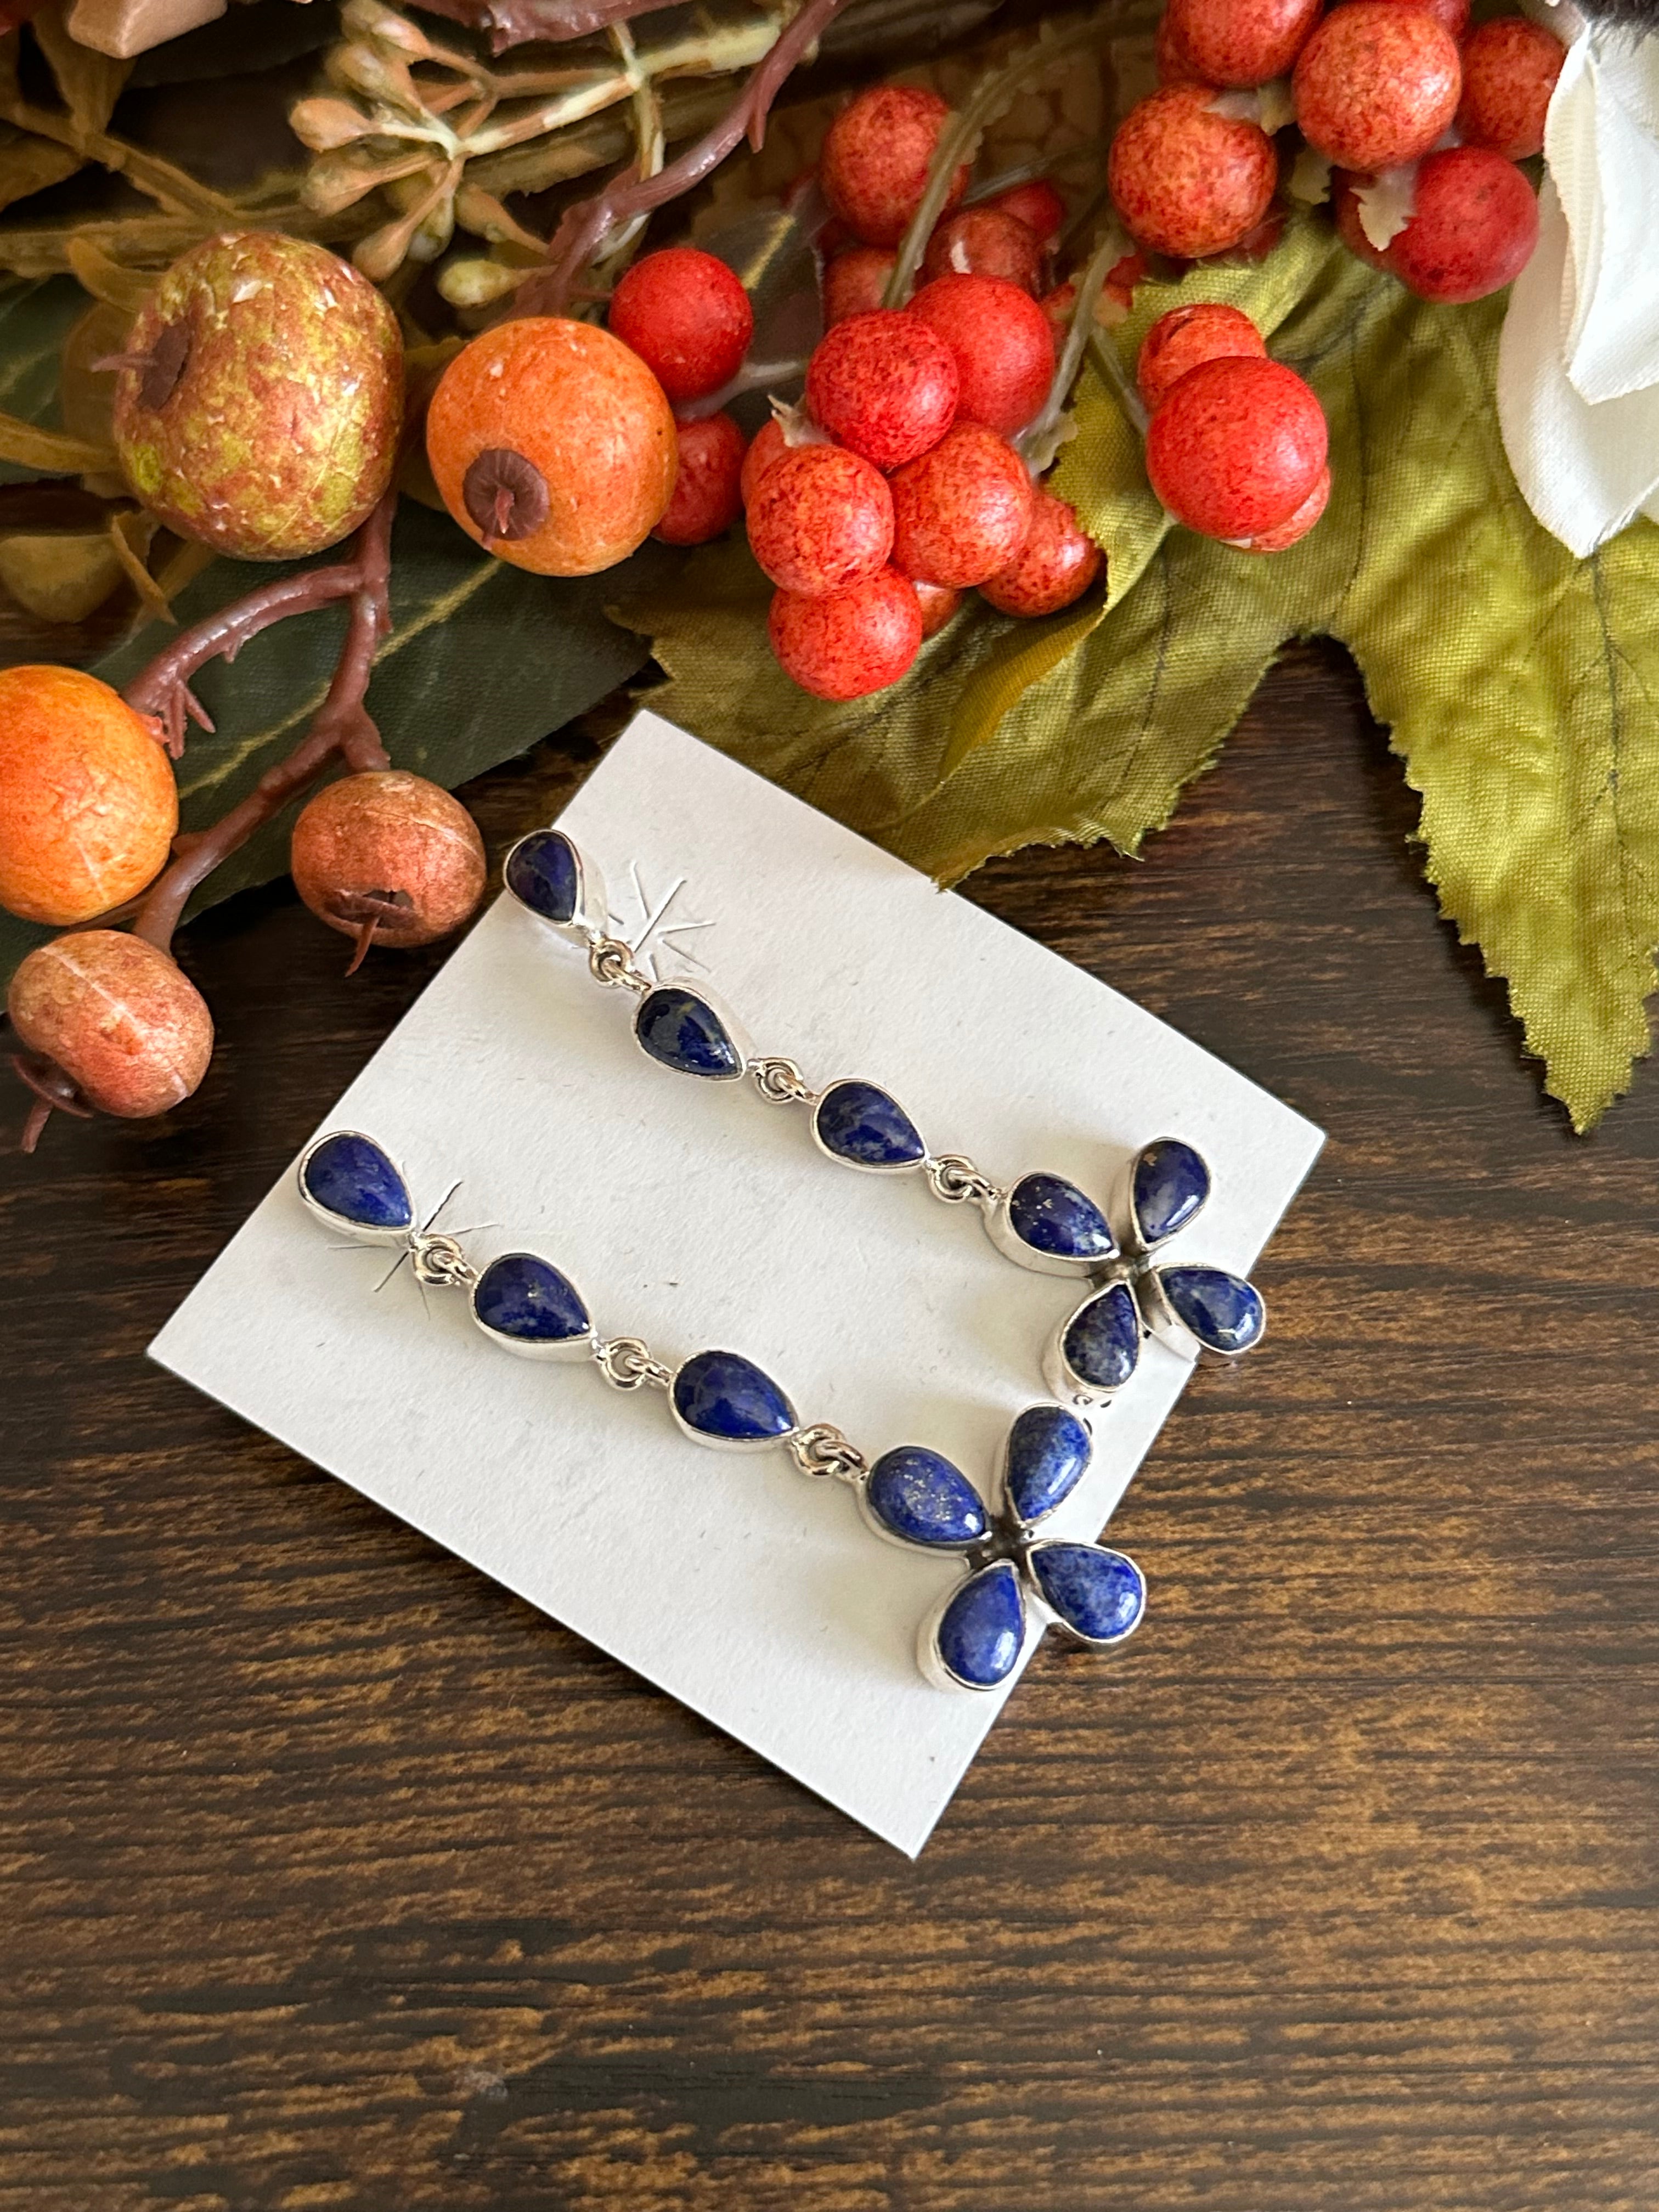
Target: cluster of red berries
1398 93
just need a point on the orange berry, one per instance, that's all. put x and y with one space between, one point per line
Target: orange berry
553 445
388 858
118 1016
88 808
1187 181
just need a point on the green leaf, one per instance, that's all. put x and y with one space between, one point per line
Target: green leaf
484 661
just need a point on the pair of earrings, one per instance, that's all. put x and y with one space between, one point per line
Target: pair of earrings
910 1495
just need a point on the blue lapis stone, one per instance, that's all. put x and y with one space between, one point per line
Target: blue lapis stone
542 872
1048 1452
723 1395
1099 1594
918 1495
1171 1184
1101 1343
1224 1312
862 1123
685 1032
982 1631
1056 1218
528 1299
350 1176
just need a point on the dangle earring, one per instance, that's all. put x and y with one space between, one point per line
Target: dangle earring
911 1496
1042 1221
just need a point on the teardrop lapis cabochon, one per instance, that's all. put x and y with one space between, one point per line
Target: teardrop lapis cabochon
1224 1312
865 1126
721 1398
525 1302
349 1177
978 1636
1048 1454
1168 1187
1101 1343
683 1030
544 872
920 1497
1052 1224
1097 1594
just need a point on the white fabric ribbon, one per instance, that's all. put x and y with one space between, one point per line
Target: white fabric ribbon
1578 363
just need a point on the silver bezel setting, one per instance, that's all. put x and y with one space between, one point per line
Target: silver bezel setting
1000 1228
563 1350
1167 1325
1069 1388
1036 1603
1122 1205
355 1229
928 1657
863 1167
741 1044
591 917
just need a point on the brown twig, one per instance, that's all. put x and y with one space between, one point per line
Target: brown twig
55 1093
585 227
341 725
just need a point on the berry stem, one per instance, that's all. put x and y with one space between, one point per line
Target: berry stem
1040 440
340 727
585 227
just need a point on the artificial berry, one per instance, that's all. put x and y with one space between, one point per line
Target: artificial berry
88 808
820 518
687 317
1187 181
1175 64
552 445
1285 534
855 282
873 169
1056 564
1376 84
1002 342
1037 204
119 1018
1453 14
1240 42
984 241
707 498
1187 336
961 511
388 859
1237 446
768 445
1509 68
885 384
839 645
1473 226
938 602
1119 290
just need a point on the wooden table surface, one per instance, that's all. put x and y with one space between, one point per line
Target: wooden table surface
334 1879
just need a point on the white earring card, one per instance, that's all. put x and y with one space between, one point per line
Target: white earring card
696 1215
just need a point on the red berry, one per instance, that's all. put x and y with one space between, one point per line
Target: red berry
1472 227
885 384
961 511
1237 446
388 858
1186 181
1037 205
938 602
1055 565
1187 336
1285 534
1241 42
707 498
768 445
844 644
1509 68
1002 343
820 518
1376 84
1175 64
1453 14
983 241
873 168
686 316
855 283
118 1016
